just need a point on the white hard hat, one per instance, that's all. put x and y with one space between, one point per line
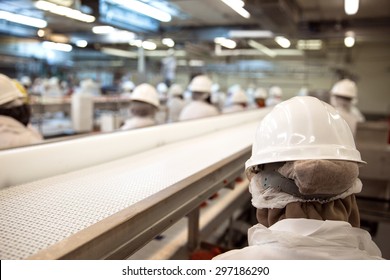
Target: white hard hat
201 83
128 85
162 88
232 89
26 81
215 87
9 92
345 88
239 96
302 128
146 93
275 91
260 93
175 90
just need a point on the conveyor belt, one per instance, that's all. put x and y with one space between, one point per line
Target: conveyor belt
36 215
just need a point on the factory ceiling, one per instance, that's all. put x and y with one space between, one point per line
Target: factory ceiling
196 23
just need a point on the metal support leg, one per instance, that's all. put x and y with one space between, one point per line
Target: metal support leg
193 230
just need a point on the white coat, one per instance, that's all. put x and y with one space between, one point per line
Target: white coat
175 106
272 101
233 109
15 134
305 239
197 109
138 122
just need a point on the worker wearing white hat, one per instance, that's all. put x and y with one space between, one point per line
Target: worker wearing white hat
143 107
238 102
200 106
14 117
175 102
127 89
342 96
260 95
303 176
275 96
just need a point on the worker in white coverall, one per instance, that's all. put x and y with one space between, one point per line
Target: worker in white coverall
275 95
303 176
343 95
15 115
237 103
144 105
200 106
175 102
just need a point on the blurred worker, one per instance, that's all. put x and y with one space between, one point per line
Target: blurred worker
200 106
14 117
274 97
218 97
260 95
238 102
303 176
175 102
342 96
127 89
143 107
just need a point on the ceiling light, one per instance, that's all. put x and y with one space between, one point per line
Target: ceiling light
351 6
41 33
196 63
349 40
261 48
250 34
238 7
103 29
283 42
144 9
81 43
309 44
168 42
227 43
63 11
57 46
21 19
136 43
148 45
118 52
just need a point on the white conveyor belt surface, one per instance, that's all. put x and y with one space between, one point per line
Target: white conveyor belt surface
45 212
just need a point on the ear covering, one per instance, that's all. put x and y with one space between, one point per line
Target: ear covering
322 177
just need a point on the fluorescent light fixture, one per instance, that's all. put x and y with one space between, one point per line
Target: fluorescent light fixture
103 29
144 9
196 63
349 40
283 42
252 52
168 42
136 43
309 44
118 52
164 53
261 48
250 34
238 7
57 46
41 33
63 11
351 7
227 43
148 45
81 43
21 19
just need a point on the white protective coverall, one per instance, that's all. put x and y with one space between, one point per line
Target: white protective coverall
138 122
175 106
14 134
198 109
233 109
315 239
